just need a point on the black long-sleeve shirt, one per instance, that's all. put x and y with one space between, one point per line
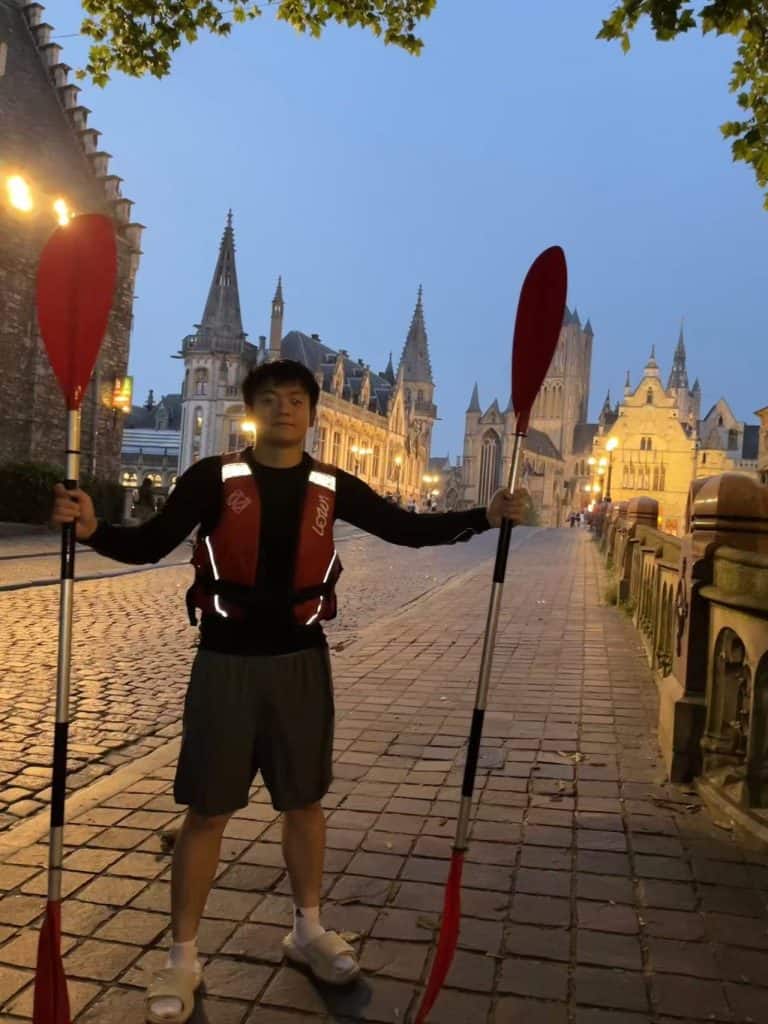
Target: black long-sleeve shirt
196 501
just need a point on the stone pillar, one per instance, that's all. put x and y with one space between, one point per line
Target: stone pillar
727 510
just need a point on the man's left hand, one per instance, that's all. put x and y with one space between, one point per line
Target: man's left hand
505 505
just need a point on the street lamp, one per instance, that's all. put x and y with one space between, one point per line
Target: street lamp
610 445
398 461
358 451
429 479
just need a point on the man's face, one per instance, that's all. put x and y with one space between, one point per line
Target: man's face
282 414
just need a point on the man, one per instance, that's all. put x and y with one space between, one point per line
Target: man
260 696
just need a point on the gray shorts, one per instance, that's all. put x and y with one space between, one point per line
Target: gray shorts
244 714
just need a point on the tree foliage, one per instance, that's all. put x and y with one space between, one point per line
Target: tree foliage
748 22
139 37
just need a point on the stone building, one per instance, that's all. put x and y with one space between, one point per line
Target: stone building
762 448
50 155
151 441
376 425
726 445
655 439
559 441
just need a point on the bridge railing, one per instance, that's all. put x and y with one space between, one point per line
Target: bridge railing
700 605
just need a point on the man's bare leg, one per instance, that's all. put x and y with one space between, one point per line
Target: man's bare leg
304 853
195 859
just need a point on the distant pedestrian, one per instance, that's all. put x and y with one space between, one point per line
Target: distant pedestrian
145 506
261 696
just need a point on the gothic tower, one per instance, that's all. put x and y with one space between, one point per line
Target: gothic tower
688 399
416 370
563 400
276 322
212 361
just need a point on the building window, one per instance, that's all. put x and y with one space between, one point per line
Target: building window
490 467
201 381
648 444
662 477
336 448
321 442
733 439
704 459
197 423
419 396
376 465
350 454
642 444
236 440
649 396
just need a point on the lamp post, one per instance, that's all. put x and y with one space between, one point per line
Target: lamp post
359 451
429 479
610 445
398 460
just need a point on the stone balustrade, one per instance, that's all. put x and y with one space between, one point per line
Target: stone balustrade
700 605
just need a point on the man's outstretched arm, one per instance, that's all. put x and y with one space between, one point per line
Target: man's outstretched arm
358 504
188 504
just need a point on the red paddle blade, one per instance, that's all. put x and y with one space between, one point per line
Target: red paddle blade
51 1004
75 287
537 329
449 936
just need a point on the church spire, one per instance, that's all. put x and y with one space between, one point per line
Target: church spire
221 316
474 402
389 372
678 376
414 361
276 322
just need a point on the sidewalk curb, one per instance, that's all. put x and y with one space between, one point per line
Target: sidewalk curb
30 831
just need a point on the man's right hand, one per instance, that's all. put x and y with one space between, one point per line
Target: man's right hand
74 507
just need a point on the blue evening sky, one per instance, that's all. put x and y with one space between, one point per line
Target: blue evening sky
357 172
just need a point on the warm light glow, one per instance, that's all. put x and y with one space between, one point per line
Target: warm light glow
62 211
19 194
398 460
588 488
591 460
248 427
603 461
611 444
601 471
358 450
595 488
430 478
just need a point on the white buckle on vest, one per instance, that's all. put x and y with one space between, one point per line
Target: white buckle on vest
230 470
326 480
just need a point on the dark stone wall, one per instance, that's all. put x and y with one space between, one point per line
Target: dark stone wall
38 141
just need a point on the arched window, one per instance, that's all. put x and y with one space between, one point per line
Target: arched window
642 444
197 422
648 444
649 396
490 467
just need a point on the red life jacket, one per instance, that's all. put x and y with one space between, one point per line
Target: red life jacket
226 560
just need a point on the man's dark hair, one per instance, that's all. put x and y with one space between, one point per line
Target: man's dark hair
281 371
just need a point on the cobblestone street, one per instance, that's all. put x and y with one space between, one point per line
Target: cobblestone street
593 892
129 676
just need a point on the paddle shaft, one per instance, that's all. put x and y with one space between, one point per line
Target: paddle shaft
486 662
61 729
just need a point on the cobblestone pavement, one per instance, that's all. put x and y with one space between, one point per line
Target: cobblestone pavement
130 673
593 893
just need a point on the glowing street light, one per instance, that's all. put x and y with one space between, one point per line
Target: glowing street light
359 451
248 427
62 211
19 193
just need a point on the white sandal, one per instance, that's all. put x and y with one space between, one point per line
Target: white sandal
173 983
320 956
